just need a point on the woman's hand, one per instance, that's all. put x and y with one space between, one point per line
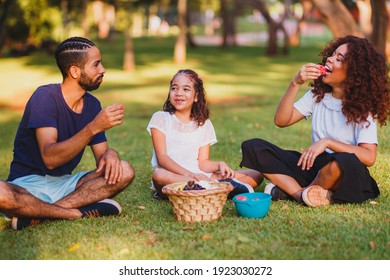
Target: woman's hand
310 154
286 114
309 71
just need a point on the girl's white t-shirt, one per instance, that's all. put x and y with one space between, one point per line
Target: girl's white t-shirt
329 122
183 140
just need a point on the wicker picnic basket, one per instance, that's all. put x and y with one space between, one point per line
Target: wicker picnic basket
198 205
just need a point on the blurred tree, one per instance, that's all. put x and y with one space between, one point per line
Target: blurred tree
370 20
31 24
84 21
129 56
5 8
124 15
273 26
228 12
209 10
71 19
365 11
380 21
298 17
190 7
179 56
336 15
65 16
26 24
104 13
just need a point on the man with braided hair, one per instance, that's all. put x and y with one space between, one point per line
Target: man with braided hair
59 121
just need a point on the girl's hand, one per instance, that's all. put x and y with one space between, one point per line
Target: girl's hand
199 177
307 158
225 170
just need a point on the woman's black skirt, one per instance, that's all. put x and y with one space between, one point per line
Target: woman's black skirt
356 186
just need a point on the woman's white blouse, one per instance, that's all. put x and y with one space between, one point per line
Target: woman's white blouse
329 122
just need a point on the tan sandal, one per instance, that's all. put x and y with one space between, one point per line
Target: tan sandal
315 196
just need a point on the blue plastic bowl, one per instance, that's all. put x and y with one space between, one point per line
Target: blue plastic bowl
256 204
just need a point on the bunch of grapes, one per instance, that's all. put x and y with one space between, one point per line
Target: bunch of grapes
192 186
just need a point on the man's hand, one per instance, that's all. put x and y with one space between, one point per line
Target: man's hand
108 117
110 164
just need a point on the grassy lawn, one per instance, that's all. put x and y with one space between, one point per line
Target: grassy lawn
243 88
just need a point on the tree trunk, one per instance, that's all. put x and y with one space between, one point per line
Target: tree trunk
273 27
338 18
189 36
295 37
128 58
373 19
3 23
65 18
104 14
228 16
137 25
84 21
365 13
380 20
179 56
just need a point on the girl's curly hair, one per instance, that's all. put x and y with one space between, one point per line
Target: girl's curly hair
367 84
199 111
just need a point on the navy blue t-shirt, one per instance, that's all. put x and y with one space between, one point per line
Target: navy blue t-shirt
47 108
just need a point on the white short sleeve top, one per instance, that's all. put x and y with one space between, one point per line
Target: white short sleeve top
183 140
329 122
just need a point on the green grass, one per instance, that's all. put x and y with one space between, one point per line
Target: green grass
243 87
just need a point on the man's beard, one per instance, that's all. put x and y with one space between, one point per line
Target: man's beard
87 83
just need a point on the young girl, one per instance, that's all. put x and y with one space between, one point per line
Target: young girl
182 135
350 96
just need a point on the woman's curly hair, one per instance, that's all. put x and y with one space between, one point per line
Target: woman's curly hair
199 111
367 84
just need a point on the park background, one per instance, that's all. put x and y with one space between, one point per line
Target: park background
246 52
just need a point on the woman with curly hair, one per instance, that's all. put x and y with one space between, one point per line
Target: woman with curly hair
349 97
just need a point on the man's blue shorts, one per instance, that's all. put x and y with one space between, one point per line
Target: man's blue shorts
49 188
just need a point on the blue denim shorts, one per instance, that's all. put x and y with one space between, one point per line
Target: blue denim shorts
49 188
